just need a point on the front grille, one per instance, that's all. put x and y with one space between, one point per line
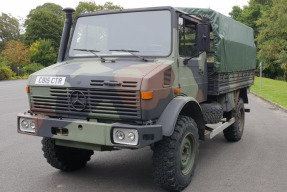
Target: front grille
100 103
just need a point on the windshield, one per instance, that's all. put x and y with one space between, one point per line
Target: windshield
148 33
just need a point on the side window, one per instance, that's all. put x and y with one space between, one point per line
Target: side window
187 47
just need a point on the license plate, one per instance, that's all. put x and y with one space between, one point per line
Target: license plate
46 80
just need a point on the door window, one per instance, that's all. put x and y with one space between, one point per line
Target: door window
187 46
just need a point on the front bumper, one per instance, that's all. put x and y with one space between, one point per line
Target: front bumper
88 132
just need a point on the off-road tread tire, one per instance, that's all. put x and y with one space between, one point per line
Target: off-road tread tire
212 112
166 162
65 158
232 133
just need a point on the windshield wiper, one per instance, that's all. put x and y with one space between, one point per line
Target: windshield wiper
93 52
131 52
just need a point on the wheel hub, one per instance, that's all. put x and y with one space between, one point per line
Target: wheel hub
187 154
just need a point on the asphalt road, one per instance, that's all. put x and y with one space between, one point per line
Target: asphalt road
258 163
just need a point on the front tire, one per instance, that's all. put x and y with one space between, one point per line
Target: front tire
65 158
234 132
174 157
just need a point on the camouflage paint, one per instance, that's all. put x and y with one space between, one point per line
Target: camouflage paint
134 72
193 77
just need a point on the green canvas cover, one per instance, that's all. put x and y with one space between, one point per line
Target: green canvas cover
234 45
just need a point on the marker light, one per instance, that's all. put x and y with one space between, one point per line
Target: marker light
147 95
177 90
27 89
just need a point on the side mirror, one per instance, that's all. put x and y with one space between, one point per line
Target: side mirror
202 37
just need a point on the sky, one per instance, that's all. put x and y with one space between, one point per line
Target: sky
21 8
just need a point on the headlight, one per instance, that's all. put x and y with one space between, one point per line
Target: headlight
125 136
120 135
131 136
32 125
27 125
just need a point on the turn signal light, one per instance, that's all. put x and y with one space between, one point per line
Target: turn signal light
147 95
177 90
27 89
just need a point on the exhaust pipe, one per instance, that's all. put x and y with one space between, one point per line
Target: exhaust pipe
66 33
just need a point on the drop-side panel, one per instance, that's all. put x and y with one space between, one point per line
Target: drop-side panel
220 83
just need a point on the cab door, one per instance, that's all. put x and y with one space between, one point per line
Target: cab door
192 64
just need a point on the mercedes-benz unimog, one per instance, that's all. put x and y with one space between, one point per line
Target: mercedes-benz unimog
125 79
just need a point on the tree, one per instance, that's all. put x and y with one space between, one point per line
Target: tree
91 6
111 6
251 13
236 13
9 29
17 54
284 68
254 15
5 71
43 52
54 8
45 22
31 68
272 39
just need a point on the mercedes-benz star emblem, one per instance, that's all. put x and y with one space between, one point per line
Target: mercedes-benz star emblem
78 100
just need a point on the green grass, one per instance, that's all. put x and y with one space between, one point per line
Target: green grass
272 90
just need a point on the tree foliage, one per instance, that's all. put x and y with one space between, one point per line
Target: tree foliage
5 70
91 6
251 13
9 29
54 8
268 18
17 54
43 52
236 13
45 22
272 39
31 68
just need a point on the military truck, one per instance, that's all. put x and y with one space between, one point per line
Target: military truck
125 79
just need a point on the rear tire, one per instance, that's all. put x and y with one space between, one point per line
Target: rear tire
65 158
174 157
235 131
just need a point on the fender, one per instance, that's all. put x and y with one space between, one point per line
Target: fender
180 105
